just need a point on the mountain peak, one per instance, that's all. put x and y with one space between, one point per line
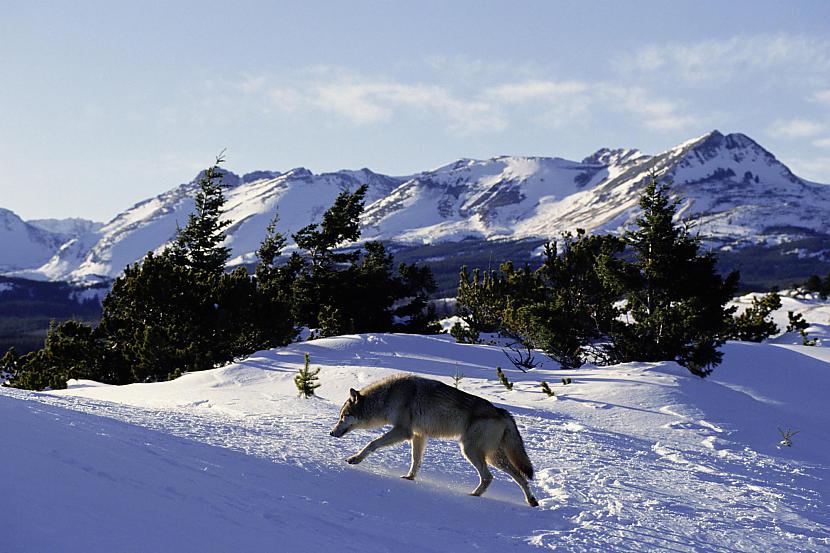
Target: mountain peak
733 145
608 156
299 173
229 179
254 176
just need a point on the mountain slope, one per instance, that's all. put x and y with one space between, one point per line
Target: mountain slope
251 202
23 245
734 192
472 198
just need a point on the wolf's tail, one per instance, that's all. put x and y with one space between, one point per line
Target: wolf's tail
514 447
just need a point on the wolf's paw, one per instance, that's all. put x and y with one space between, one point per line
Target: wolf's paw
408 477
532 502
354 459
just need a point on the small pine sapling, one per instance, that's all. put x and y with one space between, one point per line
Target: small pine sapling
503 379
306 380
456 378
566 380
464 334
787 436
546 389
797 323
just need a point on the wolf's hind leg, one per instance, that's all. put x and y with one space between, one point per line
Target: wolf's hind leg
501 462
395 435
419 444
476 458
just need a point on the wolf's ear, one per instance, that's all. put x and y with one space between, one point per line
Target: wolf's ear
354 395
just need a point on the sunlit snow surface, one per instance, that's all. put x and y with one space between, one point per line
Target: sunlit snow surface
632 457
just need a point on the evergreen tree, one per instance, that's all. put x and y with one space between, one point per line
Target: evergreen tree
306 380
755 324
796 323
161 319
415 313
9 365
356 290
481 300
324 276
675 298
340 224
269 250
575 308
463 334
330 322
38 371
72 350
198 244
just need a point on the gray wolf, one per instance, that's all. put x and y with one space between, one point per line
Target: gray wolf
420 408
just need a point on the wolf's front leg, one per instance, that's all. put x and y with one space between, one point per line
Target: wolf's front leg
419 443
395 435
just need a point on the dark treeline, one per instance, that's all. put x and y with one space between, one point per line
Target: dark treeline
179 310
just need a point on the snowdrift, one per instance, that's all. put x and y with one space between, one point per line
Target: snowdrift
630 457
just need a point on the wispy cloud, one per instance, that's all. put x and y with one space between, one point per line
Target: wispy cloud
461 107
813 168
370 101
822 96
525 91
655 113
796 128
365 102
577 98
822 142
717 61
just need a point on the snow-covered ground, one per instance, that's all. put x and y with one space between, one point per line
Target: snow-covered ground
632 457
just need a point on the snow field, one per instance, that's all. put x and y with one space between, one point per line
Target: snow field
631 457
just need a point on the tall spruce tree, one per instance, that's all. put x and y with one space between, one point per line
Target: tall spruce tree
675 298
198 244
323 275
179 311
271 318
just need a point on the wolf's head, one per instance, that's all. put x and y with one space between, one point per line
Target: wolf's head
351 414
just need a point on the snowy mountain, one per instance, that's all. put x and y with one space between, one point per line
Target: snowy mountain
632 457
251 202
67 229
25 245
733 190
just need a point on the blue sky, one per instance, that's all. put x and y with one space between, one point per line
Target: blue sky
103 104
